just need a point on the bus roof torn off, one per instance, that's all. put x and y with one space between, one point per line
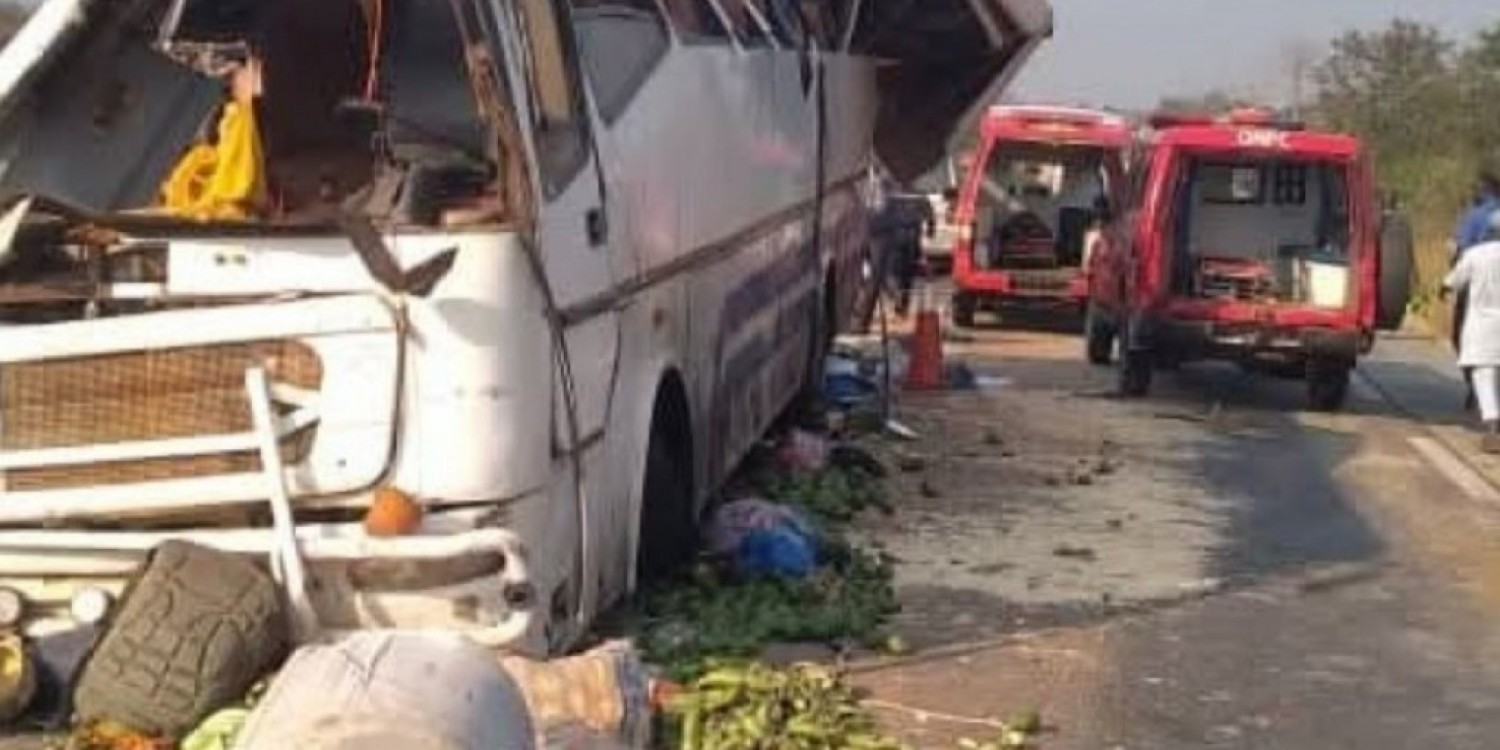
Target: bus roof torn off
98 100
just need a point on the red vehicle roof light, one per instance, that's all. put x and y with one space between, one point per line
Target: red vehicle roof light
1047 118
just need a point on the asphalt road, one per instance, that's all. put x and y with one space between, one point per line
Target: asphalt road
1210 567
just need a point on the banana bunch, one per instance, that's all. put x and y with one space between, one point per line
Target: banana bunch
751 706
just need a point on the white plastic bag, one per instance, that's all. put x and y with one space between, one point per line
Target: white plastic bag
391 691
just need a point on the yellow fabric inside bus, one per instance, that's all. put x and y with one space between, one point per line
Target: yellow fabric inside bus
225 180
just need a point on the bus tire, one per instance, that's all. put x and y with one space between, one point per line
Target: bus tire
668 522
193 633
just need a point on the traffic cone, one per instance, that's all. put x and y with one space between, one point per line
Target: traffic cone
925 373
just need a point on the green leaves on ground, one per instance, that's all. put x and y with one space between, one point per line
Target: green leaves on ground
685 626
831 497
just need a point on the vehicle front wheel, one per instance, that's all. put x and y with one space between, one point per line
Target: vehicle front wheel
1099 333
964 306
1327 385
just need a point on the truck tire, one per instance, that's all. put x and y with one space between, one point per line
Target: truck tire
964 306
1327 385
194 632
1396 248
1099 335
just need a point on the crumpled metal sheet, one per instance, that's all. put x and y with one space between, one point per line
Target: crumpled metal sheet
952 60
103 128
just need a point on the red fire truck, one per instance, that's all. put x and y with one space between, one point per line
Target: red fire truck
1250 240
1032 203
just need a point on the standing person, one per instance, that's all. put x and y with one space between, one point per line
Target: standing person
1472 227
1477 274
905 218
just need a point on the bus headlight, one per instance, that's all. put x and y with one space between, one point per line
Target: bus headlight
12 608
90 605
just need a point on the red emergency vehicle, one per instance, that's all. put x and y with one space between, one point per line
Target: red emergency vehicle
1032 201
1250 240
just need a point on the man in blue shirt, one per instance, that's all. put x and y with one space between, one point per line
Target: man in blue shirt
1472 228
1475 221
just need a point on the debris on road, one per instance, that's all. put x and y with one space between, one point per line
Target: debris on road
900 430
910 464
601 698
389 690
1075 553
1016 733
108 735
17 678
856 459
802 452
761 538
220 731
847 600
197 630
748 705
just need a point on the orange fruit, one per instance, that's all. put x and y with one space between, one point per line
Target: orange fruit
392 513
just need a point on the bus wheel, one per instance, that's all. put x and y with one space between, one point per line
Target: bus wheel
669 530
964 305
1099 334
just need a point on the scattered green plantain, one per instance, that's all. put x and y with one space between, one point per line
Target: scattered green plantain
749 706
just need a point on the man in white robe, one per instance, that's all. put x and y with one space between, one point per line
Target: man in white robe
1477 273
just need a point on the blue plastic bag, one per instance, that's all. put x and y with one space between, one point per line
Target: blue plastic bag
847 391
783 552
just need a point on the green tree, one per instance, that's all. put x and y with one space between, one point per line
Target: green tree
1397 87
1212 102
1479 77
1429 109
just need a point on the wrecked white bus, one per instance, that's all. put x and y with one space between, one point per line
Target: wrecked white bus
547 269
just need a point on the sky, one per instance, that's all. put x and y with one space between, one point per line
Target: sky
1130 53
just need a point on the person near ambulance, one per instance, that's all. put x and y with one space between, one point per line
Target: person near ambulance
906 217
1471 230
1476 274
